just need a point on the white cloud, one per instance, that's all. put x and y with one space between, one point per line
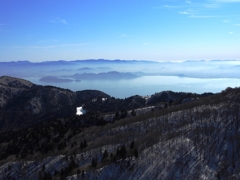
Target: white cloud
236 25
231 32
63 21
59 20
211 6
173 7
226 21
184 12
204 9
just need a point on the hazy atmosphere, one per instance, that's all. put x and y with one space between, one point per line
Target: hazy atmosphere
165 30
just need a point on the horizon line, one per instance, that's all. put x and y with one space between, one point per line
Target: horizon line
101 59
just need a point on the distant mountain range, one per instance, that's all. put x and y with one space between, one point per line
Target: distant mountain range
54 79
194 69
63 62
113 75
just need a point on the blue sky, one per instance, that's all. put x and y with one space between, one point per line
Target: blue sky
160 30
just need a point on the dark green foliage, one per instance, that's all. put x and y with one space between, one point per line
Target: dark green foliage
47 147
23 155
72 165
114 158
67 171
63 173
136 153
61 145
47 176
123 114
117 116
85 143
56 172
105 155
122 152
47 136
132 145
81 145
133 113
43 167
94 162
114 105
165 105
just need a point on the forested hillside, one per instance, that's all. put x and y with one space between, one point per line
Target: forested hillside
23 104
193 140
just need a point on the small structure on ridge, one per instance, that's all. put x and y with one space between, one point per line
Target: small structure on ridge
80 111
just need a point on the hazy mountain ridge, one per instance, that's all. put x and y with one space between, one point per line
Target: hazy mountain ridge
112 75
194 69
54 79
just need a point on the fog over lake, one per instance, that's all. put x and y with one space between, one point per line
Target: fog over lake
124 78
147 85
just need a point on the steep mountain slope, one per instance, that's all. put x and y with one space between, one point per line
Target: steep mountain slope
23 103
194 140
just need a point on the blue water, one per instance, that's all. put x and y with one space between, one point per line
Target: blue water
148 85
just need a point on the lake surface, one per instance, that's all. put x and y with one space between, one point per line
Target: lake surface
148 85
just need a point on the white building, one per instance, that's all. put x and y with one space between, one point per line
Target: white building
80 111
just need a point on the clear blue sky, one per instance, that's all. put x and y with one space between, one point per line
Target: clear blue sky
161 30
